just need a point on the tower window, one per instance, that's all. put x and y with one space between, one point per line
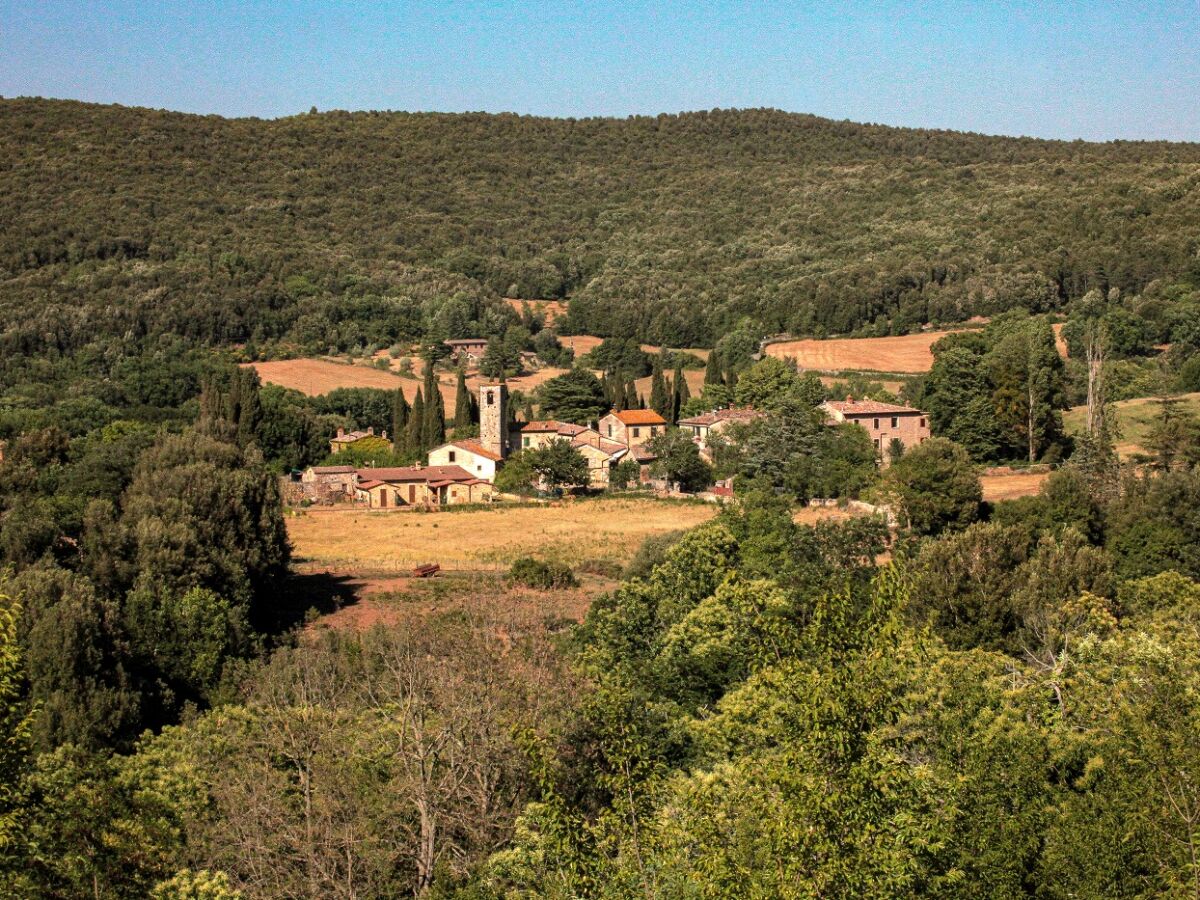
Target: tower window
491 398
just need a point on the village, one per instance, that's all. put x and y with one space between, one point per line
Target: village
464 471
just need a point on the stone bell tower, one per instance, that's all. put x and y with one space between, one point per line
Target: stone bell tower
493 418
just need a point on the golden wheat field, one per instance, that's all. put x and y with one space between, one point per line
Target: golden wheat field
908 353
364 541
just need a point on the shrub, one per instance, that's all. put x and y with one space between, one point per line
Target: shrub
544 576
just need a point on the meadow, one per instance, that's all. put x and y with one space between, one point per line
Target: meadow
1134 420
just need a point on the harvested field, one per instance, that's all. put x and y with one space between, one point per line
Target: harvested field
320 376
907 353
373 543
580 343
1009 487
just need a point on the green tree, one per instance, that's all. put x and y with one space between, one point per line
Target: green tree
462 404
400 416
678 460
767 383
575 397
557 464
933 488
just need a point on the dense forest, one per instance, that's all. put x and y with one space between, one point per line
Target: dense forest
338 230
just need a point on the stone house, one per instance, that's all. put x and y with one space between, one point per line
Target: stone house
467 351
415 486
632 427
882 421
471 455
344 438
715 422
329 484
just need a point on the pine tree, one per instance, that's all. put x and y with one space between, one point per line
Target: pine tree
462 403
400 414
712 371
416 425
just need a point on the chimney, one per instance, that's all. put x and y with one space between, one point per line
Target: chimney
383 434
849 398
341 432
371 430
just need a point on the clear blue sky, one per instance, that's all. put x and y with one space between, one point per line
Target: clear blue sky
1078 69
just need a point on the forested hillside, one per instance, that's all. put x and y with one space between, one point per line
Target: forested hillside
339 230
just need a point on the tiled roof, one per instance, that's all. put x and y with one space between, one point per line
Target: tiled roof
351 437
542 426
367 485
593 440
460 342
743 414
333 470
641 454
416 473
869 408
477 449
638 417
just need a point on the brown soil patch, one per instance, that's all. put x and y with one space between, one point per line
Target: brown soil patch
580 343
319 376
1009 487
1059 341
905 353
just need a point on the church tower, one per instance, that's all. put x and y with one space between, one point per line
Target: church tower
493 418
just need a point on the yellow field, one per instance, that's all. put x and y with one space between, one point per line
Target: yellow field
908 353
1134 419
362 541
1010 487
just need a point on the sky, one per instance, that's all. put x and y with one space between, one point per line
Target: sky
1096 71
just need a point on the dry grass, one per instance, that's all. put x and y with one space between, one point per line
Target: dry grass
320 376
1009 487
1134 419
551 309
374 543
907 353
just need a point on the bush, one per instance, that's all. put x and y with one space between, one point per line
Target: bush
544 576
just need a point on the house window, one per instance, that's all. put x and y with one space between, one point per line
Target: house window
895 421
877 427
412 493
610 429
876 443
450 456
637 432
525 441
922 423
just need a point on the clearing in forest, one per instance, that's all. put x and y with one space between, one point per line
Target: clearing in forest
1134 420
1011 486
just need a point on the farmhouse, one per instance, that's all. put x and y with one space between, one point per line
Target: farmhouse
632 427
428 486
344 439
884 422
717 421
471 455
467 350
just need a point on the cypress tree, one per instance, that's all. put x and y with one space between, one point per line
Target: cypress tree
416 425
400 412
433 428
712 371
462 403
681 394
660 399
631 396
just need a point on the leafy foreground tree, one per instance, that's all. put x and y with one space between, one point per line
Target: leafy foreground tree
558 465
933 487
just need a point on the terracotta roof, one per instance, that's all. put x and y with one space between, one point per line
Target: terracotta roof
332 470
641 454
638 417
593 440
743 414
869 408
416 473
476 448
458 342
367 485
540 426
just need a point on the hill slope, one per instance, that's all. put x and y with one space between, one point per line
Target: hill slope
340 229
